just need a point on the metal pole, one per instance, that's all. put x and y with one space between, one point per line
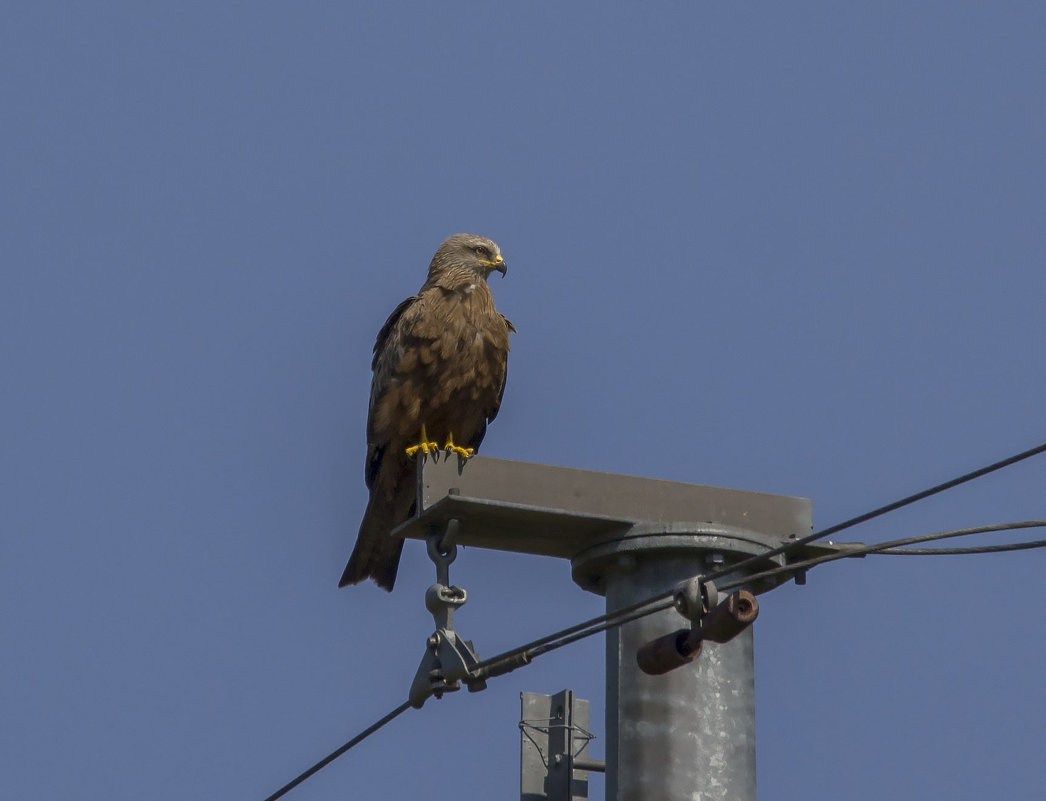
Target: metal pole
689 733
554 737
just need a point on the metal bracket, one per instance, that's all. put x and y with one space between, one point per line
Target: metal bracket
448 658
694 597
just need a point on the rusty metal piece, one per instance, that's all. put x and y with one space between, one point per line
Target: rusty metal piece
721 624
668 652
730 618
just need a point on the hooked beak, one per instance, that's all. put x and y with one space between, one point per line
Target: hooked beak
497 264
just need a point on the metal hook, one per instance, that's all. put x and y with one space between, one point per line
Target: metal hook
442 550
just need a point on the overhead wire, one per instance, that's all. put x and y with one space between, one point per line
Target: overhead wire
525 653
359 738
1013 546
882 510
897 547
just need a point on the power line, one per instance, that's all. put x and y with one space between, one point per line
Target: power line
890 546
1015 546
890 507
525 653
617 621
558 639
363 735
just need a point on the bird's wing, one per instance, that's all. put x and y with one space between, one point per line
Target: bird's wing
492 411
391 350
385 333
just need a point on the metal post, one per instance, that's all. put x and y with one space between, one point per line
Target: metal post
689 733
686 734
554 739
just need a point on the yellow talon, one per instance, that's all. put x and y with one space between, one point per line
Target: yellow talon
464 453
424 445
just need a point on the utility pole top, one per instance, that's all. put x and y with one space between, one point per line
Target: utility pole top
681 734
576 514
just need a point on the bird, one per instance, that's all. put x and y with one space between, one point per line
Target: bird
440 362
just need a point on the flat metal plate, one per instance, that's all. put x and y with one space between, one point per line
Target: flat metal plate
514 527
561 511
591 492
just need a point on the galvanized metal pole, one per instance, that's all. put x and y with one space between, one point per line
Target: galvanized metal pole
686 734
689 733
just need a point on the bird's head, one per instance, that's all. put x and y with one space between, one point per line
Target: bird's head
471 252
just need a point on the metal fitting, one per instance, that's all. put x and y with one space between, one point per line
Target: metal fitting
720 624
694 597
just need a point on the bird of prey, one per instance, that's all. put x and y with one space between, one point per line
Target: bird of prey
439 374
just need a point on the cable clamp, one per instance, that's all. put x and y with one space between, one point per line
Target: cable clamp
694 597
448 658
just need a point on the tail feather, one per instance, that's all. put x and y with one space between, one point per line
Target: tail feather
393 491
376 555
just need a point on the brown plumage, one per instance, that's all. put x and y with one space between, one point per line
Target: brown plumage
439 362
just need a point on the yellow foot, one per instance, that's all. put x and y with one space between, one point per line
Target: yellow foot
425 445
464 453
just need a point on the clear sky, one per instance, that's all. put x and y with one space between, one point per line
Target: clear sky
788 247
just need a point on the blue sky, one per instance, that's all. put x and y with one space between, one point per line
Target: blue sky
794 248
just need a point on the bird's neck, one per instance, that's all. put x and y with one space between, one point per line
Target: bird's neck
457 280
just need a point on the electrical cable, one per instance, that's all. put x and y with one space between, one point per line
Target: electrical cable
890 507
363 735
525 653
888 546
1016 546
582 630
617 621
534 644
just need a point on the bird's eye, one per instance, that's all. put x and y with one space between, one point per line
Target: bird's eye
482 251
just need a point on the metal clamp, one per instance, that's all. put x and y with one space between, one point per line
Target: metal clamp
448 658
694 597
